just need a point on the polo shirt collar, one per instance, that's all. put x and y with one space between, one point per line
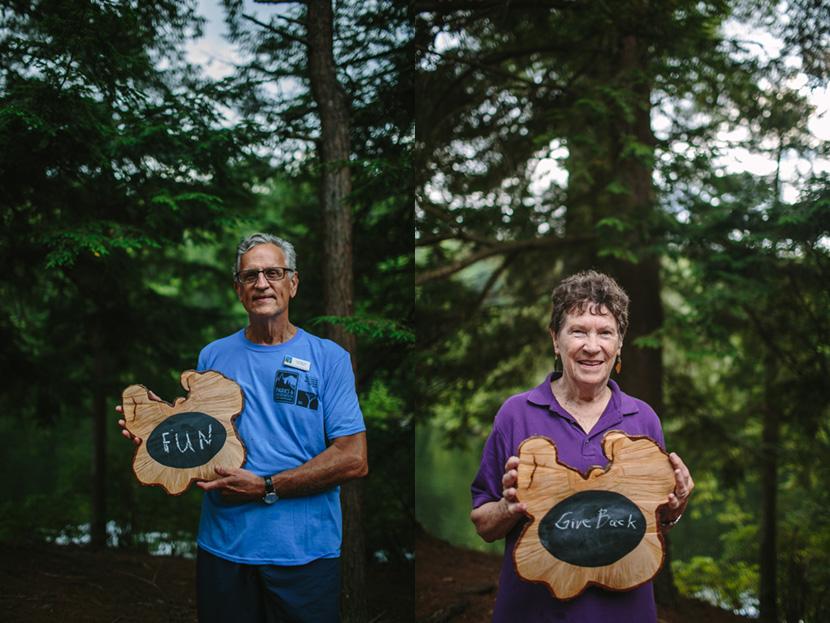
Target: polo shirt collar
542 396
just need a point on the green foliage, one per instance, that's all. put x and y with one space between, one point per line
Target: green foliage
637 109
503 97
373 51
749 336
126 185
390 507
373 329
723 584
106 168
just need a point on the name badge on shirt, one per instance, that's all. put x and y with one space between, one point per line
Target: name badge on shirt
294 362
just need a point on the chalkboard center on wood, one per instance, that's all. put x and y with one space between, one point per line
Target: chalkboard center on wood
597 528
187 440
592 528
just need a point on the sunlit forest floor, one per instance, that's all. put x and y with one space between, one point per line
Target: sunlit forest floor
53 583
454 585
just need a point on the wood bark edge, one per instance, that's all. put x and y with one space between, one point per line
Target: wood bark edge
142 450
592 473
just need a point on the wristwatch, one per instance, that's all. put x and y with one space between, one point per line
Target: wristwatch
270 495
671 523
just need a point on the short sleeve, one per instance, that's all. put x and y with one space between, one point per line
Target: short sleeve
341 411
658 435
487 485
656 429
201 366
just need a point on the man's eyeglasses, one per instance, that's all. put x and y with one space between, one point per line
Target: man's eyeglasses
272 274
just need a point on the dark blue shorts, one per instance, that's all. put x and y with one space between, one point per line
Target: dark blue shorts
229 591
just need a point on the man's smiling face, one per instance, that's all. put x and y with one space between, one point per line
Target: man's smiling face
265 298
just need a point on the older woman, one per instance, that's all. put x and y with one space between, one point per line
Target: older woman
574 407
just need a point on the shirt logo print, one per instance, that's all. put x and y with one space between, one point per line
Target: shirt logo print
292 388
285 386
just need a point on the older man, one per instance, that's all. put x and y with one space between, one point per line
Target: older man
270 532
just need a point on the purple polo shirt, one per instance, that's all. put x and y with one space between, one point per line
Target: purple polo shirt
537 412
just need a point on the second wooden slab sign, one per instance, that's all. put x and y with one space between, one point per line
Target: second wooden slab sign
600 528
185 441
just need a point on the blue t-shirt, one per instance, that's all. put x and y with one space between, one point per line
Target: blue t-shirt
298 395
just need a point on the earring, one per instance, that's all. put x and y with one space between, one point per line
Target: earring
618 366
555 361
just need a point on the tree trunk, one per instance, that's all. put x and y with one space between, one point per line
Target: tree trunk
98 523
600 158
795 596
334 151
642 372
770 433
768 593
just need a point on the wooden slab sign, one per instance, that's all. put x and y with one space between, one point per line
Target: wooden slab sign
600 528
185 441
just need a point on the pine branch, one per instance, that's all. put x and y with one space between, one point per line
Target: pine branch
451 6
370 57
497 248
432 240
456 234
275 30
290 20
494 277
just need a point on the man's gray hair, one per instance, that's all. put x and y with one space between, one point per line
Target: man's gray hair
254 239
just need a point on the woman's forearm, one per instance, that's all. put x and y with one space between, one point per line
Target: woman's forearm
493 520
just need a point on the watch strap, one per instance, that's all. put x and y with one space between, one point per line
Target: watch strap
270 493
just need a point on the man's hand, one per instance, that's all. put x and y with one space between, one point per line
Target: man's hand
235 485
123 424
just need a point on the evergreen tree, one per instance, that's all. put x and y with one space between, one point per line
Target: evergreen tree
114 153
515 84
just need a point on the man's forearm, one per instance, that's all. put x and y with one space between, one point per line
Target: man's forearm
493 520
345 459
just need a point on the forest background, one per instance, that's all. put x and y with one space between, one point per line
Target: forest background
133 158
551 136
680 147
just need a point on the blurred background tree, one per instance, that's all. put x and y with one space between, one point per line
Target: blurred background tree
333 71
559 136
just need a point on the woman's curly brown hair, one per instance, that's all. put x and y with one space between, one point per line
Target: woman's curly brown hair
589 289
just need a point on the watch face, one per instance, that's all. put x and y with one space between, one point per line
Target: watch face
270 498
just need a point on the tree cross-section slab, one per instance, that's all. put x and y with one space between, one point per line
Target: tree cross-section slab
185 441
600 528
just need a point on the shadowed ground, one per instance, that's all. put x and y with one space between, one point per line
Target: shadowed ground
48 583
456 585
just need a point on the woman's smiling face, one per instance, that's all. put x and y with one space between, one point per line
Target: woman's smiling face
588 344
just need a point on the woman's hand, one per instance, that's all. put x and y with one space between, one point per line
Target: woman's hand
493 520
683 487
509 481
